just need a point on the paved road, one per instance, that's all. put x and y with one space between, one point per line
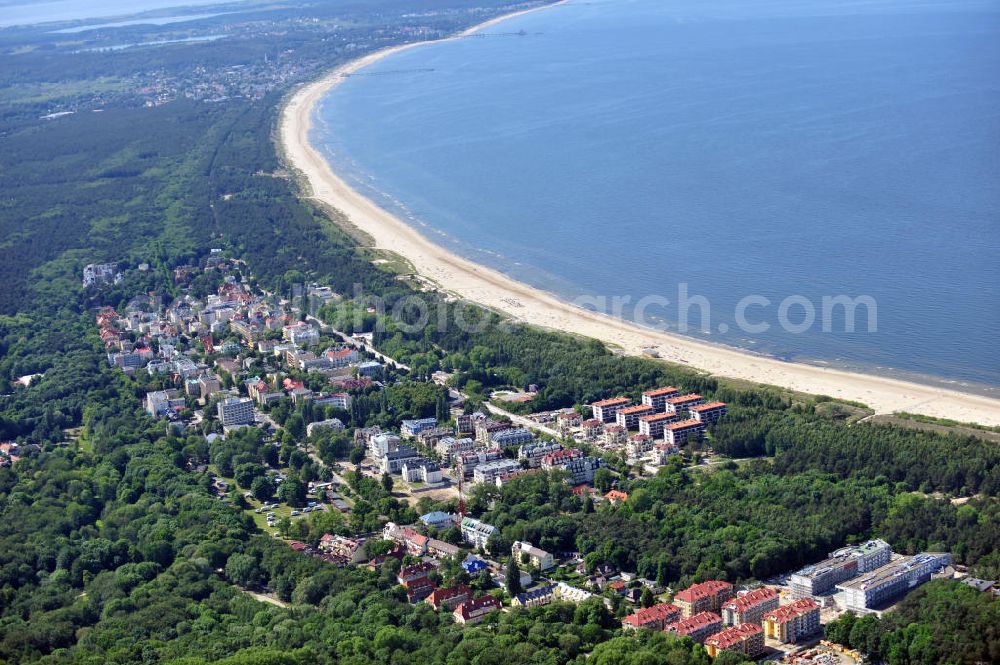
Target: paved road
521 420
350 340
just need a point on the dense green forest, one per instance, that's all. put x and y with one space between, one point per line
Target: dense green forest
116 551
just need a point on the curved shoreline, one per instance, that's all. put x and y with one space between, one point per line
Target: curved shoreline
497 291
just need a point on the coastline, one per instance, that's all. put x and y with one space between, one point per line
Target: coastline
476 283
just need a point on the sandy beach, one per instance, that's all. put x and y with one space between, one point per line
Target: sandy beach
476 283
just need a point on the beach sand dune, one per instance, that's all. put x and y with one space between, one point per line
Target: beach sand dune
490 288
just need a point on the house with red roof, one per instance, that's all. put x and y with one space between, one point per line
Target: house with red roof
474 611
449 597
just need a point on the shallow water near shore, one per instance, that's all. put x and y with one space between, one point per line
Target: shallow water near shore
771 149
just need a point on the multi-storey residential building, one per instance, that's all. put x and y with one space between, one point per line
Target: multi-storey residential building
392 461
341 357
581 471
697 627
682 431
474 611
606 409
556 459
885 583
704 597
448 448
476 532
160 403
567 421
515 436
421 470
301 333
841 565
682 403
449 598
208 385
790 623
381 443
615 435
652 425
628 417
655 617
542 595
350 549
708 413
340 401
430 437
749 607
591 429
370 368
235 411
411 428
535 556
488 472
638 445
746 639
331 424
469 461
485 428
533 453
658 397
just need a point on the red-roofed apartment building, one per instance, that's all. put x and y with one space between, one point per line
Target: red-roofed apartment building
705 597
449 597
698 627
746 639
606 409
750 607
658 397
473 611
793 621
708 413
653 618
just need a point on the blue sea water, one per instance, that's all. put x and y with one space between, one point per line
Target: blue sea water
767 148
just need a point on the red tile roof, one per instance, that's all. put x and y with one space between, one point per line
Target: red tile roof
709 588
732 636
682 424
612 401
669 390
788 612
708 407
751 599
661 613
694 624
684 398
